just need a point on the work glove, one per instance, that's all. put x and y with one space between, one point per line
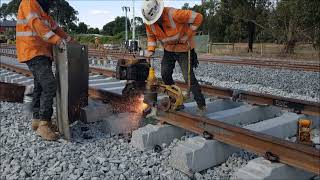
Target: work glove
183 40
62 44
149 54
194 59
70 40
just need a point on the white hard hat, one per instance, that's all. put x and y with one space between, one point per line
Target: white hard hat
152 10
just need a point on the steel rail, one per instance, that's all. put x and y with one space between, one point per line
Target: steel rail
297 106
252 62
300 156
276 149
274 64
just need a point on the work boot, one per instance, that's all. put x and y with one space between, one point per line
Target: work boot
202 110
44 130
35 124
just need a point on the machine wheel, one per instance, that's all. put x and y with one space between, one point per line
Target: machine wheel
164 104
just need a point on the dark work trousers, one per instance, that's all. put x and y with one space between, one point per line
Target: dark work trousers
44 87
168 64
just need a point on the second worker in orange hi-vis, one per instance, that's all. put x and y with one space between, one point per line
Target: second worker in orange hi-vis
36 33
174 29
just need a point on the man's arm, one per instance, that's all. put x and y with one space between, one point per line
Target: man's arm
152 40
191 18
59 31
32 12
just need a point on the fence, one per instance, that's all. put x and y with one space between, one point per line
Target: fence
302 51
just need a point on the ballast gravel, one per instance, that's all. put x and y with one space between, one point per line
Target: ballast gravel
91 154
304 85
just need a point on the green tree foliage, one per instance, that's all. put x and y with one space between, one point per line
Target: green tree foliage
82 28
282 21
114 27
93 31
61 11
295 21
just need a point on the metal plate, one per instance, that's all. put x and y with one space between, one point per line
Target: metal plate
72 73
11 92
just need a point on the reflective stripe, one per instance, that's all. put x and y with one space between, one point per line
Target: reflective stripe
172 38
152 44
173 25
68 39
48 35
32 15
193 17
22 21
150 35
193 27
184 38
153 29
26 33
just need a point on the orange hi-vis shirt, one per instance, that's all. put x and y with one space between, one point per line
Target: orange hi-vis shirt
179 27
36 31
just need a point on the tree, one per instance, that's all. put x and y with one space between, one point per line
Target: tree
248 12
186 6
82 28
114 27
299 21
61 11
96 31
93 31
140 27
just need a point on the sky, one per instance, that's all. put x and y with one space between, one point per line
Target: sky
96 13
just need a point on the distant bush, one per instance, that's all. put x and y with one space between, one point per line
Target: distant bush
89 39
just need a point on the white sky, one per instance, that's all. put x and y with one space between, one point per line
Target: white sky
97 13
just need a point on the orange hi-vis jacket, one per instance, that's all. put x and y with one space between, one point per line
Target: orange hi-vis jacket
179 27
36 31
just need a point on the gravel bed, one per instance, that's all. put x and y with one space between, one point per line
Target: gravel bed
302 85
91 155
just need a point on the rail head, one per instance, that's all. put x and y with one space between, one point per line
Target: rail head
297 155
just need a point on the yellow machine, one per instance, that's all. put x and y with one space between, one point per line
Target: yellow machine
304 131
175 98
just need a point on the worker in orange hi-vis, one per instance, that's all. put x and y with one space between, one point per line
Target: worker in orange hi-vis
97 43
36 33
174 29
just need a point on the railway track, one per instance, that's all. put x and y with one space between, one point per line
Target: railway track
273 64
216 124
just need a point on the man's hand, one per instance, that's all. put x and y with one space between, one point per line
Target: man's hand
149 54
184 39
62 44
70 40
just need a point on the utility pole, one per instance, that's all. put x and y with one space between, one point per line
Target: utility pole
133 23
126 9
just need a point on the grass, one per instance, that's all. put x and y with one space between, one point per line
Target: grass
270 50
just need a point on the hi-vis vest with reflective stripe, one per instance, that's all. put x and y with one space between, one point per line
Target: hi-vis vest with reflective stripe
35 31
178 26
